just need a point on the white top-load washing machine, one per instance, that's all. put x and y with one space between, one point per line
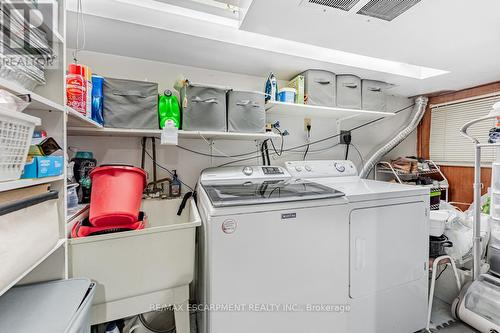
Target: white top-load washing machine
273 253
388 247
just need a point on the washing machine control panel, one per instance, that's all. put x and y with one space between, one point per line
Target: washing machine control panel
244 173
311 169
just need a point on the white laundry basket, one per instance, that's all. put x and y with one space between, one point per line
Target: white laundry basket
16 130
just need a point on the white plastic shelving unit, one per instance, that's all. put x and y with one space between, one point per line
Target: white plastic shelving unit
47 103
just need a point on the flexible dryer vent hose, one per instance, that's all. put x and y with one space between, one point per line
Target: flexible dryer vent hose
420 105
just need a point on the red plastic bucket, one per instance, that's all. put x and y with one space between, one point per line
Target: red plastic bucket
116 195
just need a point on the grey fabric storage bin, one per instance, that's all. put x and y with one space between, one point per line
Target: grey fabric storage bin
61 306
203 108
130 104
348 91
373 95
246 112
319 87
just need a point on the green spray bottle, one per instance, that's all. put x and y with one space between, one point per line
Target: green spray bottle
168 108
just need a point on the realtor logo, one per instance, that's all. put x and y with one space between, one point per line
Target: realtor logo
26 35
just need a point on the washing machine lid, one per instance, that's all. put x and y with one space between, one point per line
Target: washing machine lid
266 191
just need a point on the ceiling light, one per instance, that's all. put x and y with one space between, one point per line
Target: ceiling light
186 12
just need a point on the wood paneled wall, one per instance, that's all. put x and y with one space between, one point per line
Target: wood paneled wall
461 178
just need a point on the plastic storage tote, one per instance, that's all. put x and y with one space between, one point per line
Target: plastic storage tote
134 269
495 169
203 108
16 130
130 104
319 87
61 306
494 259
116 195
494 246
29 230
246 112
348 91
373 95
495 205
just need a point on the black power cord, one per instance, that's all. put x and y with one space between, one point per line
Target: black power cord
308 127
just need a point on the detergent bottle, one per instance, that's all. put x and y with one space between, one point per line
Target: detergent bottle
168 109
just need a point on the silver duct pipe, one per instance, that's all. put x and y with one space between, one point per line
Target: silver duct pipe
420 105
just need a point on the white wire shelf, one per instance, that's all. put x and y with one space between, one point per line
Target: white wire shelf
37 102
412 174
21 183
208 135
76 119
292 109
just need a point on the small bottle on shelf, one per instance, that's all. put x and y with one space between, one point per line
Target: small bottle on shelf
175 186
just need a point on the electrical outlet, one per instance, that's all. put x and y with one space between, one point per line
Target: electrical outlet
307 122
345 137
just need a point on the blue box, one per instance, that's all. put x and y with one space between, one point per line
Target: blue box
43 166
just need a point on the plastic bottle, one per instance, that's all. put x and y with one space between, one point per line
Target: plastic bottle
97 99
175 186
168 109
76 88
88 96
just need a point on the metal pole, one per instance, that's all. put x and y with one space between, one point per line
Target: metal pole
476 270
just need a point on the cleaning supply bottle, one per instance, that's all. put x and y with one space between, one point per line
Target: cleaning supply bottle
271 88
76 88
175 186
168 109
88 97
97 99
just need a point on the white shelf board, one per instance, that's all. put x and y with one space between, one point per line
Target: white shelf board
209 135
37 102
304 110
59 243
76 119
21 183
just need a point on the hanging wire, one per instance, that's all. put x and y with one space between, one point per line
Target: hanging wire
292 148
255 154
80 21
360 156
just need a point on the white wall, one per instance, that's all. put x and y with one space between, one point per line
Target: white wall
189 165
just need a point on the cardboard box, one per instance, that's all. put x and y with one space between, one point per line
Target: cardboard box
43 166
298 84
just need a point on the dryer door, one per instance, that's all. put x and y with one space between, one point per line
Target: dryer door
388 247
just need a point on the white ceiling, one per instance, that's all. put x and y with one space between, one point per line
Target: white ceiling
448 35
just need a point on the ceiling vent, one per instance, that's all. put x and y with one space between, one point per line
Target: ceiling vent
387 9
339 4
